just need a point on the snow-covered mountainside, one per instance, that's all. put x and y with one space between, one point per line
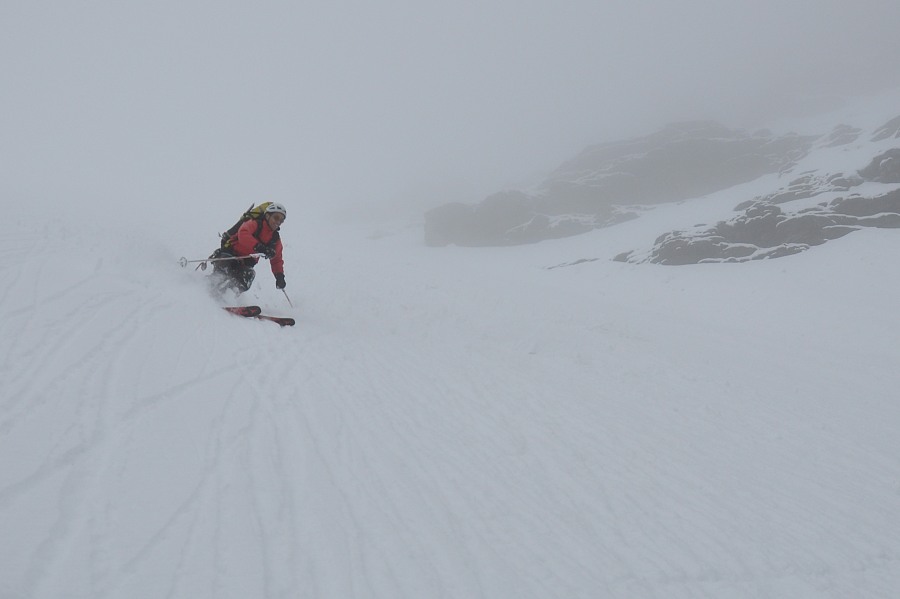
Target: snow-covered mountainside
445 422
789 192
813 208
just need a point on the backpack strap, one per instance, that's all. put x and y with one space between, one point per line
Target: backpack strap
275 235
228 243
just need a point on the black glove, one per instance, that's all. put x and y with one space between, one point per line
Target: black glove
266 250
279 281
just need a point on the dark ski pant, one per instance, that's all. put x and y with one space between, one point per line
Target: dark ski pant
233 274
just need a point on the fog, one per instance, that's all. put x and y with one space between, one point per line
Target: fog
359 106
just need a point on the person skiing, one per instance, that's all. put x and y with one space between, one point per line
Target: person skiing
254 236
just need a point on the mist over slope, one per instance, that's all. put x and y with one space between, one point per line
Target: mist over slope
444 422
849 168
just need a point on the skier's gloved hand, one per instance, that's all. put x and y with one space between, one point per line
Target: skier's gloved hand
279 281
267 250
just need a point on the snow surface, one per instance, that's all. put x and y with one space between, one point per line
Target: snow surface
447 423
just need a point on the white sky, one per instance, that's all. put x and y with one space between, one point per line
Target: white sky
328 102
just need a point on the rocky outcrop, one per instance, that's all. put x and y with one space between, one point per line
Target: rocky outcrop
889 130
602 185
609 183
765 231
807 185
884 168
841 135
682 161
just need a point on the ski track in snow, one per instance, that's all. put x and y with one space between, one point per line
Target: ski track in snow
434 428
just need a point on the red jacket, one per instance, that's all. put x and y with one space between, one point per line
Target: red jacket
247 237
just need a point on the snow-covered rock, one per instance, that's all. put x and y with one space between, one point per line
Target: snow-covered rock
608 184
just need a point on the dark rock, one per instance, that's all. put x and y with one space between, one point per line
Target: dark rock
811 184
841 182
882 221
841 135
685 250
888 130
765 231
806 229
781 251
860 206
756 226
884 168
837 231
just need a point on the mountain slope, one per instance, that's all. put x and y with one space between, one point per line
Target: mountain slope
750 174
464 423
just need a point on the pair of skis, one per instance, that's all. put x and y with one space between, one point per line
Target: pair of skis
246 311
256 312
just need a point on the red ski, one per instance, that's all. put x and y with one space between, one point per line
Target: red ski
244 310
282 320
256 312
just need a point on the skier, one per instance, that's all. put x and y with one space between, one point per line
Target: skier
255 236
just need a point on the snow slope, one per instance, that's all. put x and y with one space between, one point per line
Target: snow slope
448 422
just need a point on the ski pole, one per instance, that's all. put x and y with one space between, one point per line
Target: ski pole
287 298
184 261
